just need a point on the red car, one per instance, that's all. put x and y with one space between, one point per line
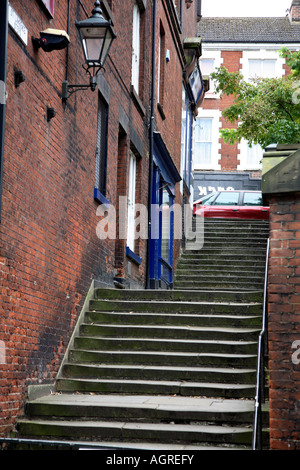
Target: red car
233 205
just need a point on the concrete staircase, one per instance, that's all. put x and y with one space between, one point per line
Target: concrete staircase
172 369
233 256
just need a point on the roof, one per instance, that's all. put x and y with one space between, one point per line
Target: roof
249 30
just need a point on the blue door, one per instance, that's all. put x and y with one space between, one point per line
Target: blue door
161 243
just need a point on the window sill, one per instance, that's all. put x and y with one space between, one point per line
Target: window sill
98 196
132 256
137 101
161 111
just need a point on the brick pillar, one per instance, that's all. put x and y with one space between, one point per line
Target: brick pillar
283 320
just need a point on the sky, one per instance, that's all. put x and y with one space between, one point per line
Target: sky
258 8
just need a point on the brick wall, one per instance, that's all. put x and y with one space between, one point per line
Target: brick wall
49 249
283 319
295 11
229 154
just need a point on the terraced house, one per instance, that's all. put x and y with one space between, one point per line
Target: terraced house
250 45
80 150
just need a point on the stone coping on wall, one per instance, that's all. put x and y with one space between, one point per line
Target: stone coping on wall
281 169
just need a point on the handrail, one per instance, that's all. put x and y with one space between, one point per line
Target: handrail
260 373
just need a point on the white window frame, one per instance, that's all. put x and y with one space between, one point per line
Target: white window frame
262 54
259 54
215 115
131 202
136 46
218 61
243 147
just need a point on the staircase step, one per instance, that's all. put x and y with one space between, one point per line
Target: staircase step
170 295
158 373
142 407
153 432
204 389
171 345
174 319
178 307
162 358
178 332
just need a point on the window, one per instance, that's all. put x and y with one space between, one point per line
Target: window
261 68
203 141
209 61
166 227
206 140
253 199
250 157
49 5
161 66
262 63
186 130
227 199
131 202
136 47
254 157
101 146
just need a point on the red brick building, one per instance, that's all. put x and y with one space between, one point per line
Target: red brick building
66 162
250 45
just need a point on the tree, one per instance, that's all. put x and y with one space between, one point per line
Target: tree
265 110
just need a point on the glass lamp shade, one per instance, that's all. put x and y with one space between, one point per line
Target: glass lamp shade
97 35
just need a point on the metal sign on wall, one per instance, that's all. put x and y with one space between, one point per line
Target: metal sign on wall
209 182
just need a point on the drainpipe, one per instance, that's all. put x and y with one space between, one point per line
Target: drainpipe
152 99
3 61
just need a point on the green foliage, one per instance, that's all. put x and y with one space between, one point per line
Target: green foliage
267 110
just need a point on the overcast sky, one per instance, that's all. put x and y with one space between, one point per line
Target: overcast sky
245 8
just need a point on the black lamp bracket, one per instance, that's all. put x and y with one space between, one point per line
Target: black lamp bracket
68 90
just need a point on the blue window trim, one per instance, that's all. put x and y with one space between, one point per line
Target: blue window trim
98 196
135 258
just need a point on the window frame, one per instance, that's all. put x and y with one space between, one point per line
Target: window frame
101 151
136 47
131 201
49 6
215 115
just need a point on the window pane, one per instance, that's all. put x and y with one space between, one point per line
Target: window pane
131 202
203 141
269 68
136 47
165 242
254 156
101 146
227 199
262 68
207 66
203 154
253 199
255 68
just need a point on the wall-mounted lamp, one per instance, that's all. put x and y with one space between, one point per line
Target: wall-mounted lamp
51 40
97 35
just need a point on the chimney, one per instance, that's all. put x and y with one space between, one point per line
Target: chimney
295 11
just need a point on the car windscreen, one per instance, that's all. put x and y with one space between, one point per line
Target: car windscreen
230 198
253 199
207 200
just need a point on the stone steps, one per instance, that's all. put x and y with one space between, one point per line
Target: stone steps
141 421
166 369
